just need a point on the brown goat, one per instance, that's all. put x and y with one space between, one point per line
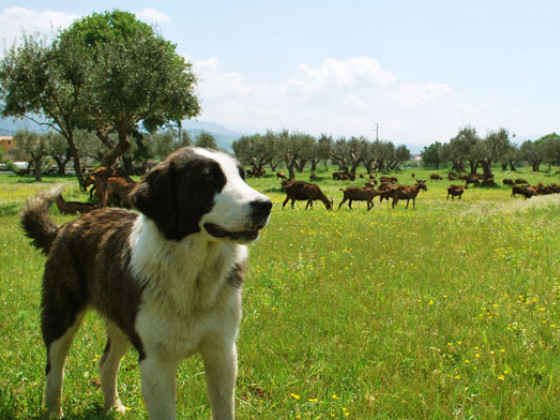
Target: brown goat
114 190
507 181
455 191
101 174
385 190
547 189
358 194
436 177
385 178
408 192
72 207
470 179
301 190
526 191
256 171
344 176
281 175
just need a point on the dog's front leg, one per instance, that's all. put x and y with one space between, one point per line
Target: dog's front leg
158 387
220 365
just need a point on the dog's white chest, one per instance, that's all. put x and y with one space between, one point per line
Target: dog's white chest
186 298
177 335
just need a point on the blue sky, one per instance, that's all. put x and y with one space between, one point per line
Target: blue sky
421 69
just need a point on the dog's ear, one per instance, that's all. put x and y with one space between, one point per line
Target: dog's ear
154 197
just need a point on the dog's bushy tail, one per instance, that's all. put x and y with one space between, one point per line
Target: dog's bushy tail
36 221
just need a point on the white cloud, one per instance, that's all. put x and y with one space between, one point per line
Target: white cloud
340 75
16 21
151 15
423 95
338 97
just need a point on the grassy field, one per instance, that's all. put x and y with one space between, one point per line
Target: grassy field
447 311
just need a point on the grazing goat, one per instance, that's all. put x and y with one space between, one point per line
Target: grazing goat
281 175
507 181
358 194
72 207
101 174
114 190
526 191
385 190
455 191
256 171
344 176
547 189
392 179
470 179
301 190
408 192
451 176
520 181
436 177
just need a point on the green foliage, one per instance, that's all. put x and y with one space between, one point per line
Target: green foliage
207 140
102 28
431 155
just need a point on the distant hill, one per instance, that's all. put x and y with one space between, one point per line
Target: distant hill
9 127
223 135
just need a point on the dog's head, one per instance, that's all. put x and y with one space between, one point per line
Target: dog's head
199 190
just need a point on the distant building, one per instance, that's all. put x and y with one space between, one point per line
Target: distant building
7 143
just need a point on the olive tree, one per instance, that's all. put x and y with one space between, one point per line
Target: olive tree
107 73
206 140
32 147
493 148
57 148
431 155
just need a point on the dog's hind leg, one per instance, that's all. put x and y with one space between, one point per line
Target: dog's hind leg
57 350
117 346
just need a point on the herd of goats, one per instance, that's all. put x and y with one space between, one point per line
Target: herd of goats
390 188
112 187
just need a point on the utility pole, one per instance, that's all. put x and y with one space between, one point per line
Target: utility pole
376 132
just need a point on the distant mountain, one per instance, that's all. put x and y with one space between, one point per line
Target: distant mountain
223 135
9 127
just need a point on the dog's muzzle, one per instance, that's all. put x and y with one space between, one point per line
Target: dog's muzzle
260 214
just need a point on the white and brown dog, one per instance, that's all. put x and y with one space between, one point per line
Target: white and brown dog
167 280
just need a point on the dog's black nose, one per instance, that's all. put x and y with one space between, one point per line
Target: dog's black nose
261 209
262 206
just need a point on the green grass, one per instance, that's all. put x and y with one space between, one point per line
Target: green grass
447 311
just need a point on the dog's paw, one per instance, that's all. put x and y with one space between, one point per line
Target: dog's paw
117 407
